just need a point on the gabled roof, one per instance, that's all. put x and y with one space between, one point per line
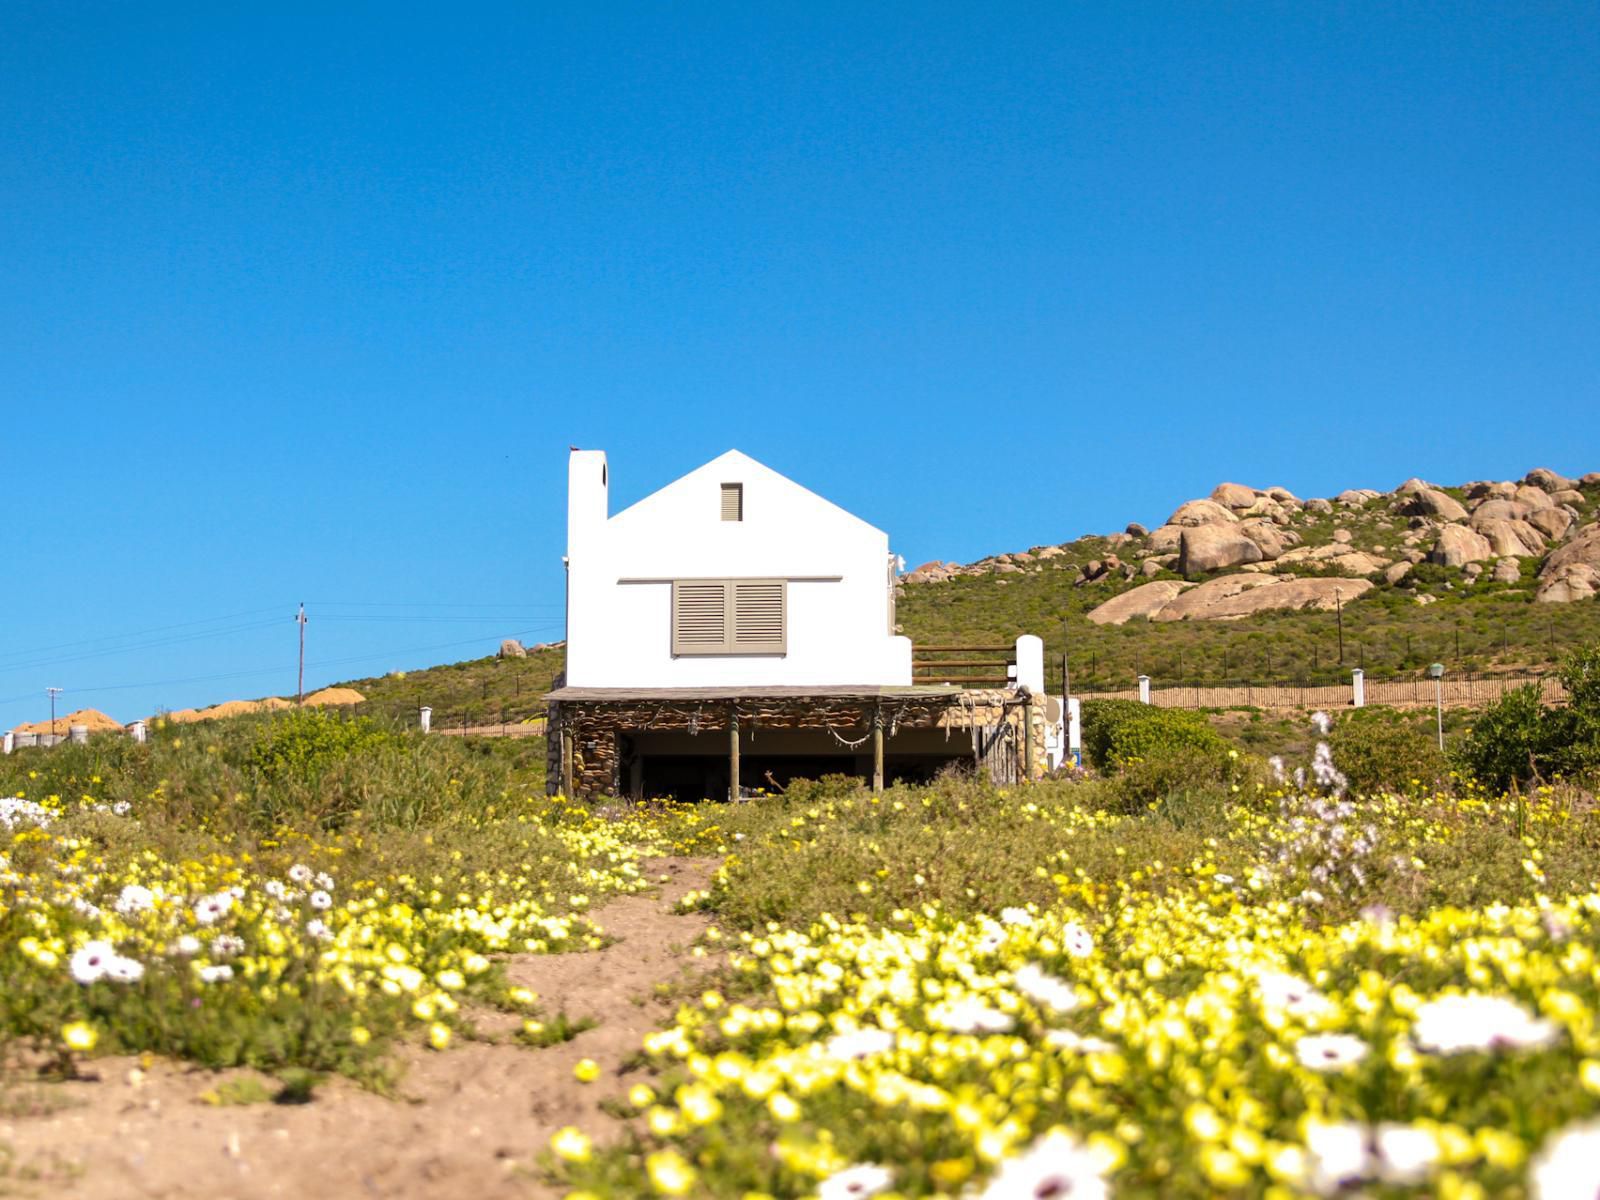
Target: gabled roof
731 466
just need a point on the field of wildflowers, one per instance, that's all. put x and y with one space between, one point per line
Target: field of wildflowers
1264 985
196 924
1275 989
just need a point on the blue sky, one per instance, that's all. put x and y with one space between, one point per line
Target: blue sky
307 302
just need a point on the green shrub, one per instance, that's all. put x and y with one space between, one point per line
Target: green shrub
303 743
1518 740
1101 720
1509 741
1382 750
1118 731
1187 784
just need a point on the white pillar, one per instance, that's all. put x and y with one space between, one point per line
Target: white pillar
425 718
79 734
7 743
1075 729
1144 689
1030 663
139 731
1358 688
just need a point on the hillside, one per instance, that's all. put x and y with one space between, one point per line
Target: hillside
1254 584
480 691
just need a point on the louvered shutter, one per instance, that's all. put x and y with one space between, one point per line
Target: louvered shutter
733 502
758 616
699 618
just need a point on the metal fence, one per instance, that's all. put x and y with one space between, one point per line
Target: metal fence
1395 691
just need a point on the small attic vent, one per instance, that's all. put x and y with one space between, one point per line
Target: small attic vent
733 502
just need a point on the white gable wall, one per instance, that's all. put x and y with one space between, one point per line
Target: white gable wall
619 573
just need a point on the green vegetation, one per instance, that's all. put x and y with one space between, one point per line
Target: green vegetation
1384 750
481 691
929 983
182 896
307 769
1469 626
1521 741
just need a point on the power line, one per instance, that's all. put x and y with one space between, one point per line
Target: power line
407 620
179 639
109 637
419 604
254 671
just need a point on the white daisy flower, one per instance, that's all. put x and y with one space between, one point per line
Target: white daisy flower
208 910
1405 1154
1568 1167
969 1015
122 808
226 945
1016 916
124 970
1292 994
1330 1051
299 873
321 901
134 900
318 928
90 962
1337 1155
275 888
1456 1023
1077 941
991 941
1045 989
1066 1039
324 881
218 973
859 1043
1056 1167
187 946
863 1179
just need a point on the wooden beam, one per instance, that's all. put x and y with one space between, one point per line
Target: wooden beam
566 758
1027 741
877 748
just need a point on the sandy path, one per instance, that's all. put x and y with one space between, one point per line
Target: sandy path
469 1122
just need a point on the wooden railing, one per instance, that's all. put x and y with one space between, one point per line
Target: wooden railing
958 665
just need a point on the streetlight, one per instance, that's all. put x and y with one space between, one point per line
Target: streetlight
1436 673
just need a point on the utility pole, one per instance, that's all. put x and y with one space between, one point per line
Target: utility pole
1338 608
300 686
53 693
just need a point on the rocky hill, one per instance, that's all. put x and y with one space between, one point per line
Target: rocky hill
1259 549
1510 559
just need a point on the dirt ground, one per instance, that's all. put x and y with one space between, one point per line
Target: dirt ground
467 1122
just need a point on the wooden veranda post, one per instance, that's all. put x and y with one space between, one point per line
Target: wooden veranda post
1027 738
733 754
877 748
566 756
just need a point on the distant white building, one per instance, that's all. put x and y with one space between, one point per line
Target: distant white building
735 631
731 576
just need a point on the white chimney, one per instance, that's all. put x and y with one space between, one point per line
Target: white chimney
588 497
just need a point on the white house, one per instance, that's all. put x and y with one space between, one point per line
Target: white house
734 631
732 576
